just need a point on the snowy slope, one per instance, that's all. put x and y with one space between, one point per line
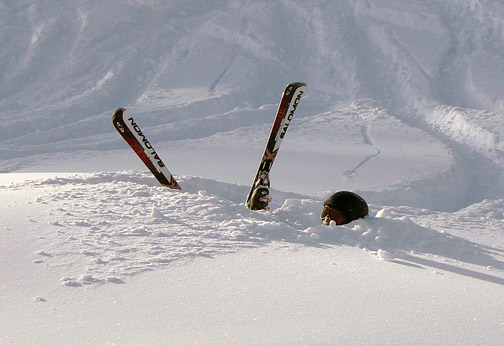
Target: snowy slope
404 106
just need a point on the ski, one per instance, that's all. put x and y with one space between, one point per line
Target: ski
130 131
258 197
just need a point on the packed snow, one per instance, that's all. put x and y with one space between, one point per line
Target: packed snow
404 106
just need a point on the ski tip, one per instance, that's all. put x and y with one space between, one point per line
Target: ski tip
118 113
293 86
297 84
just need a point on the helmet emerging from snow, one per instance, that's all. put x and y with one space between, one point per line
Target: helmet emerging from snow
343 207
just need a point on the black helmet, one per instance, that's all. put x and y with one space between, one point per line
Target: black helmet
344 207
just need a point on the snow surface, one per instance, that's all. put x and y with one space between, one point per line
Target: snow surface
404 106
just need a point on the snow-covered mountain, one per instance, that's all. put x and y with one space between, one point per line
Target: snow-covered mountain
404 106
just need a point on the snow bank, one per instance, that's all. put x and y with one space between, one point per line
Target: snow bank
114 225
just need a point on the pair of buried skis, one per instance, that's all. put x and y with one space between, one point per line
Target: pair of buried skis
258 197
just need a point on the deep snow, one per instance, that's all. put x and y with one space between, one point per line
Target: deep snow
404 106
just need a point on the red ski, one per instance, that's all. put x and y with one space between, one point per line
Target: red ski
130 131
258 197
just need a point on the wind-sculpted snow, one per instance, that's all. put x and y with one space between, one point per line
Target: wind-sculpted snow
114 225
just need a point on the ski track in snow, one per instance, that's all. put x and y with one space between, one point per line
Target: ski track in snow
367 140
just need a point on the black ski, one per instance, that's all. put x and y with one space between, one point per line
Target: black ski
258 197
130 131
